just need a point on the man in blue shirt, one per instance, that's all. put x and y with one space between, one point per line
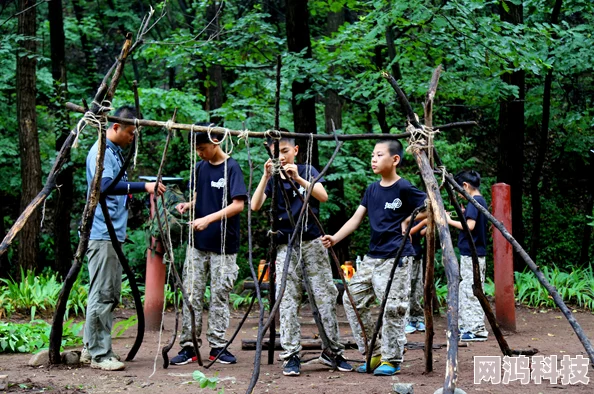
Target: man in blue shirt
389 204
105 271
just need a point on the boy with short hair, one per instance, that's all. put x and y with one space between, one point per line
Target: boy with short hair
471 317
389 204
314 256
216 177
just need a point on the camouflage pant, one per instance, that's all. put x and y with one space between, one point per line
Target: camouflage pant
223 273
417 313
367 284
471 316
317 266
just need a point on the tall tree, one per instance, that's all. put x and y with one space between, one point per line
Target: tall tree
62 212
511 135
543 144
214 87
304 109
28 141
333 116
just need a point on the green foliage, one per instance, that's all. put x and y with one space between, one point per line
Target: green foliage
575 287
206 382
33 336
122 326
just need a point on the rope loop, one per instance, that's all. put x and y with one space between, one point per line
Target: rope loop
274 134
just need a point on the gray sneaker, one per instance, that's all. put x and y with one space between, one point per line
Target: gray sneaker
108 364
85 356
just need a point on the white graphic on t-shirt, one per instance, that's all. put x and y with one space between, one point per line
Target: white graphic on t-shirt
301 191
393 205
218 184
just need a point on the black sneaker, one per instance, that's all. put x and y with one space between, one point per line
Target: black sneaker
225 358
341 363
185 356
292 366
472 337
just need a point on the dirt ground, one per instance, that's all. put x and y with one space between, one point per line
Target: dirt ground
546 330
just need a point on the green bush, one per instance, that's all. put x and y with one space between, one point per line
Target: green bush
33 336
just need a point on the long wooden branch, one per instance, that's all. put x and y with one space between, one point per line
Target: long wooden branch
97 108
533 267
251 134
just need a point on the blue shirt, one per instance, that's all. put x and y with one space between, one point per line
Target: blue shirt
116 205
479 233
209 199
387 207
284 225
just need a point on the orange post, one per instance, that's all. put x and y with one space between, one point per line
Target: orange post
503 258
154 290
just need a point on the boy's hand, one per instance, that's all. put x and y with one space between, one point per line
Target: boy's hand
200 224
153 188
291 170
183 207
268 168
328 241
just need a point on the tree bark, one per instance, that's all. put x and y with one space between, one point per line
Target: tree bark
304 109
28 248
542 148
62 212
510 167
214 88
90 66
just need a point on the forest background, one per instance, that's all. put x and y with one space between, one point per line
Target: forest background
521 69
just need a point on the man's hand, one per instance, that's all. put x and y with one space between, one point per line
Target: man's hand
200 224
328 241
183 207
291 170
151 187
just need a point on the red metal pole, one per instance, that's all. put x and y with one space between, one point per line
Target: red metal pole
154 290
503 258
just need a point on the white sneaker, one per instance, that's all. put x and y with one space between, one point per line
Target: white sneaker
85 356
108 364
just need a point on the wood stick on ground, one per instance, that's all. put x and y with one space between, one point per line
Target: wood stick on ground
533 267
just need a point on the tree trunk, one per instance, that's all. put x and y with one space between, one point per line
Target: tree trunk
304 110
542 149
90 66
62 212
28 141
511 139
333 113
584 258
214 88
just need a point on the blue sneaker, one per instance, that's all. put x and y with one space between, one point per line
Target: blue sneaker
387 369
421 326
375 362
185 356
339 362
225 358
472 337
410 328
292 366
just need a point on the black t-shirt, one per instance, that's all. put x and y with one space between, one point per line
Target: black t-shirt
387 207
416 242
209 199
479 233
284 225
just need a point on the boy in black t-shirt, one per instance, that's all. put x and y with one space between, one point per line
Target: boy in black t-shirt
388 203
471 316
313 254
219 195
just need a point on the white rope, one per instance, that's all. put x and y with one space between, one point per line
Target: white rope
308 176
190 251
43 213
224 205
136 140
243 135
98 120
274 134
